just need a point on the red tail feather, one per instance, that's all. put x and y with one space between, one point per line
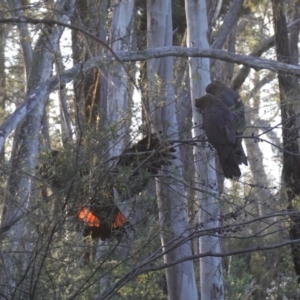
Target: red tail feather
88 217
119 221
96 228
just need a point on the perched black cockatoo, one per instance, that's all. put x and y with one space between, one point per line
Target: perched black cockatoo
131 173
230 98
218 124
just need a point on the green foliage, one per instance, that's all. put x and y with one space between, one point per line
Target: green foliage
148 286
52 260
74 175
237 279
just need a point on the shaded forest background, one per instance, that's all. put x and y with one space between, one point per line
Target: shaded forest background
90 78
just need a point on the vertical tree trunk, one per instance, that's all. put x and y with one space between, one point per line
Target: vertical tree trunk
115 87
118 110
65 119
171 203
25 41
256 157
210 267
83 48
24 156
102 93
3 34
289 102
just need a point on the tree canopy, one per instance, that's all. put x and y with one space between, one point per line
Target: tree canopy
149 149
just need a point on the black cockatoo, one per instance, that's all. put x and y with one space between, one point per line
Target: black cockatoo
140 162
131 173
219 126
230 98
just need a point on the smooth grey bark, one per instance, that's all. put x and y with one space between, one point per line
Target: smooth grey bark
183 105
255 158
118 109
184 120
156 35
102 98
3 36
210 267
24 155
65 119
117 114
26 137
170 193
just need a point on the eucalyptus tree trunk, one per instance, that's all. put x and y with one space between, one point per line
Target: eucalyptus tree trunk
171 203
210 267
102 84
118 110
260 180
289 103
24 37
114 100
3 35
65 119
24 158
88 13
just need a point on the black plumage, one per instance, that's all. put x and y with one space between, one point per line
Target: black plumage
103 220
218 124
230 98
135 166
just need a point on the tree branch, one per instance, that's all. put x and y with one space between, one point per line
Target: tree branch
239 79
44 89
228 24
143 268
